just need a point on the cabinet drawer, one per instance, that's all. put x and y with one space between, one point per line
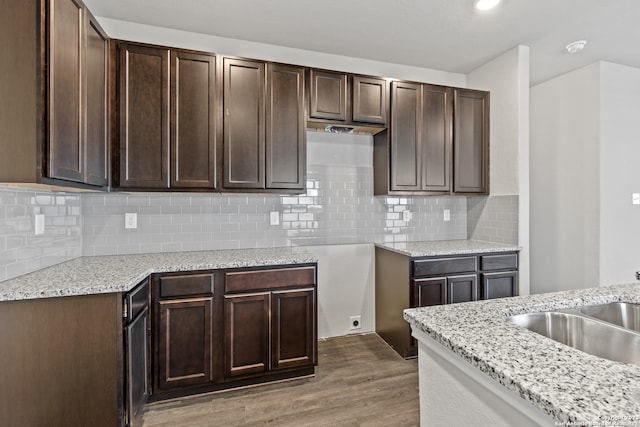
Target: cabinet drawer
444 266
186 285
246 281
499 262
137 299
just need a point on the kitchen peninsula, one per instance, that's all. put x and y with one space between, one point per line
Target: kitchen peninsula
472 357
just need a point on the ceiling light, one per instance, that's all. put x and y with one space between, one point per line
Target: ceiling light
576 46
485 4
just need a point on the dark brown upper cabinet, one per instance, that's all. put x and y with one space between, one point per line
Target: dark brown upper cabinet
165 118
343 99
429 146
77 109
193 129
54 72
264 135
471 141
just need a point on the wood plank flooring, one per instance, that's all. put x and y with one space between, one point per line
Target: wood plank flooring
360 381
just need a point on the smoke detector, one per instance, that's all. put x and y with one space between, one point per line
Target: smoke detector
576 46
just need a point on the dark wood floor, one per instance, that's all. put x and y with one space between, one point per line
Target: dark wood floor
360 381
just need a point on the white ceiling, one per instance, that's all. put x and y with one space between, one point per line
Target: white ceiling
446 35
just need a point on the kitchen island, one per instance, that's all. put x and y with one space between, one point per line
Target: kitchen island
478 368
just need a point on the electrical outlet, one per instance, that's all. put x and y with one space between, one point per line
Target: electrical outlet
637 275
447 215
407 215
39 224
131 220
635 198
355 322
274 218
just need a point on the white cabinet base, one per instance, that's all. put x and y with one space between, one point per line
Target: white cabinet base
454 393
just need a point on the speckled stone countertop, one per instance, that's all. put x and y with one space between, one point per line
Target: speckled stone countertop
120 273
567 384
446 247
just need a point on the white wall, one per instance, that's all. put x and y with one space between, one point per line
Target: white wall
564 170
619 173
183 39
507 77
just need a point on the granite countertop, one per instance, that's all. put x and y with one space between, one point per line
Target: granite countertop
120 273
567 384
446 247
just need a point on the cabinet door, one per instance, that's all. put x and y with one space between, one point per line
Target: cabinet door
184 343
436 138
137 344
246 334
369 100
462 288
294 328
499 285
428 292
406 150
193 138
66 153
328 95
96 124
143 78
471 141
244 124
286 135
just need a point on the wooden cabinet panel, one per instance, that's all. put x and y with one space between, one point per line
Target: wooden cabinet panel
406 150
193 138
462 288
470 141
436 138
499 262
96 126
444 266
369 100
499 285
183 285
137 368
143 79
328 95
246 334
431 291
267 279
184 343
294 341
66 152
285 133
244 124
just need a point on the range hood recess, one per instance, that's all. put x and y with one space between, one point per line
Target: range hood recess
350 129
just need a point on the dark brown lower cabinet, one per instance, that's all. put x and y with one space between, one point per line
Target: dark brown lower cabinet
184 344
499 285
221 329
270 321
435 280
246 327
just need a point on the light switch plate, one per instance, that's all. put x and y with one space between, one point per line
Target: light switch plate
407 215
131 220
636 198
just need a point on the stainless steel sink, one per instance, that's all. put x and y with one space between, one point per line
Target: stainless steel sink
583 333
619 313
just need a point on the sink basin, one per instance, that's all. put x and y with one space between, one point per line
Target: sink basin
619 313
592 336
